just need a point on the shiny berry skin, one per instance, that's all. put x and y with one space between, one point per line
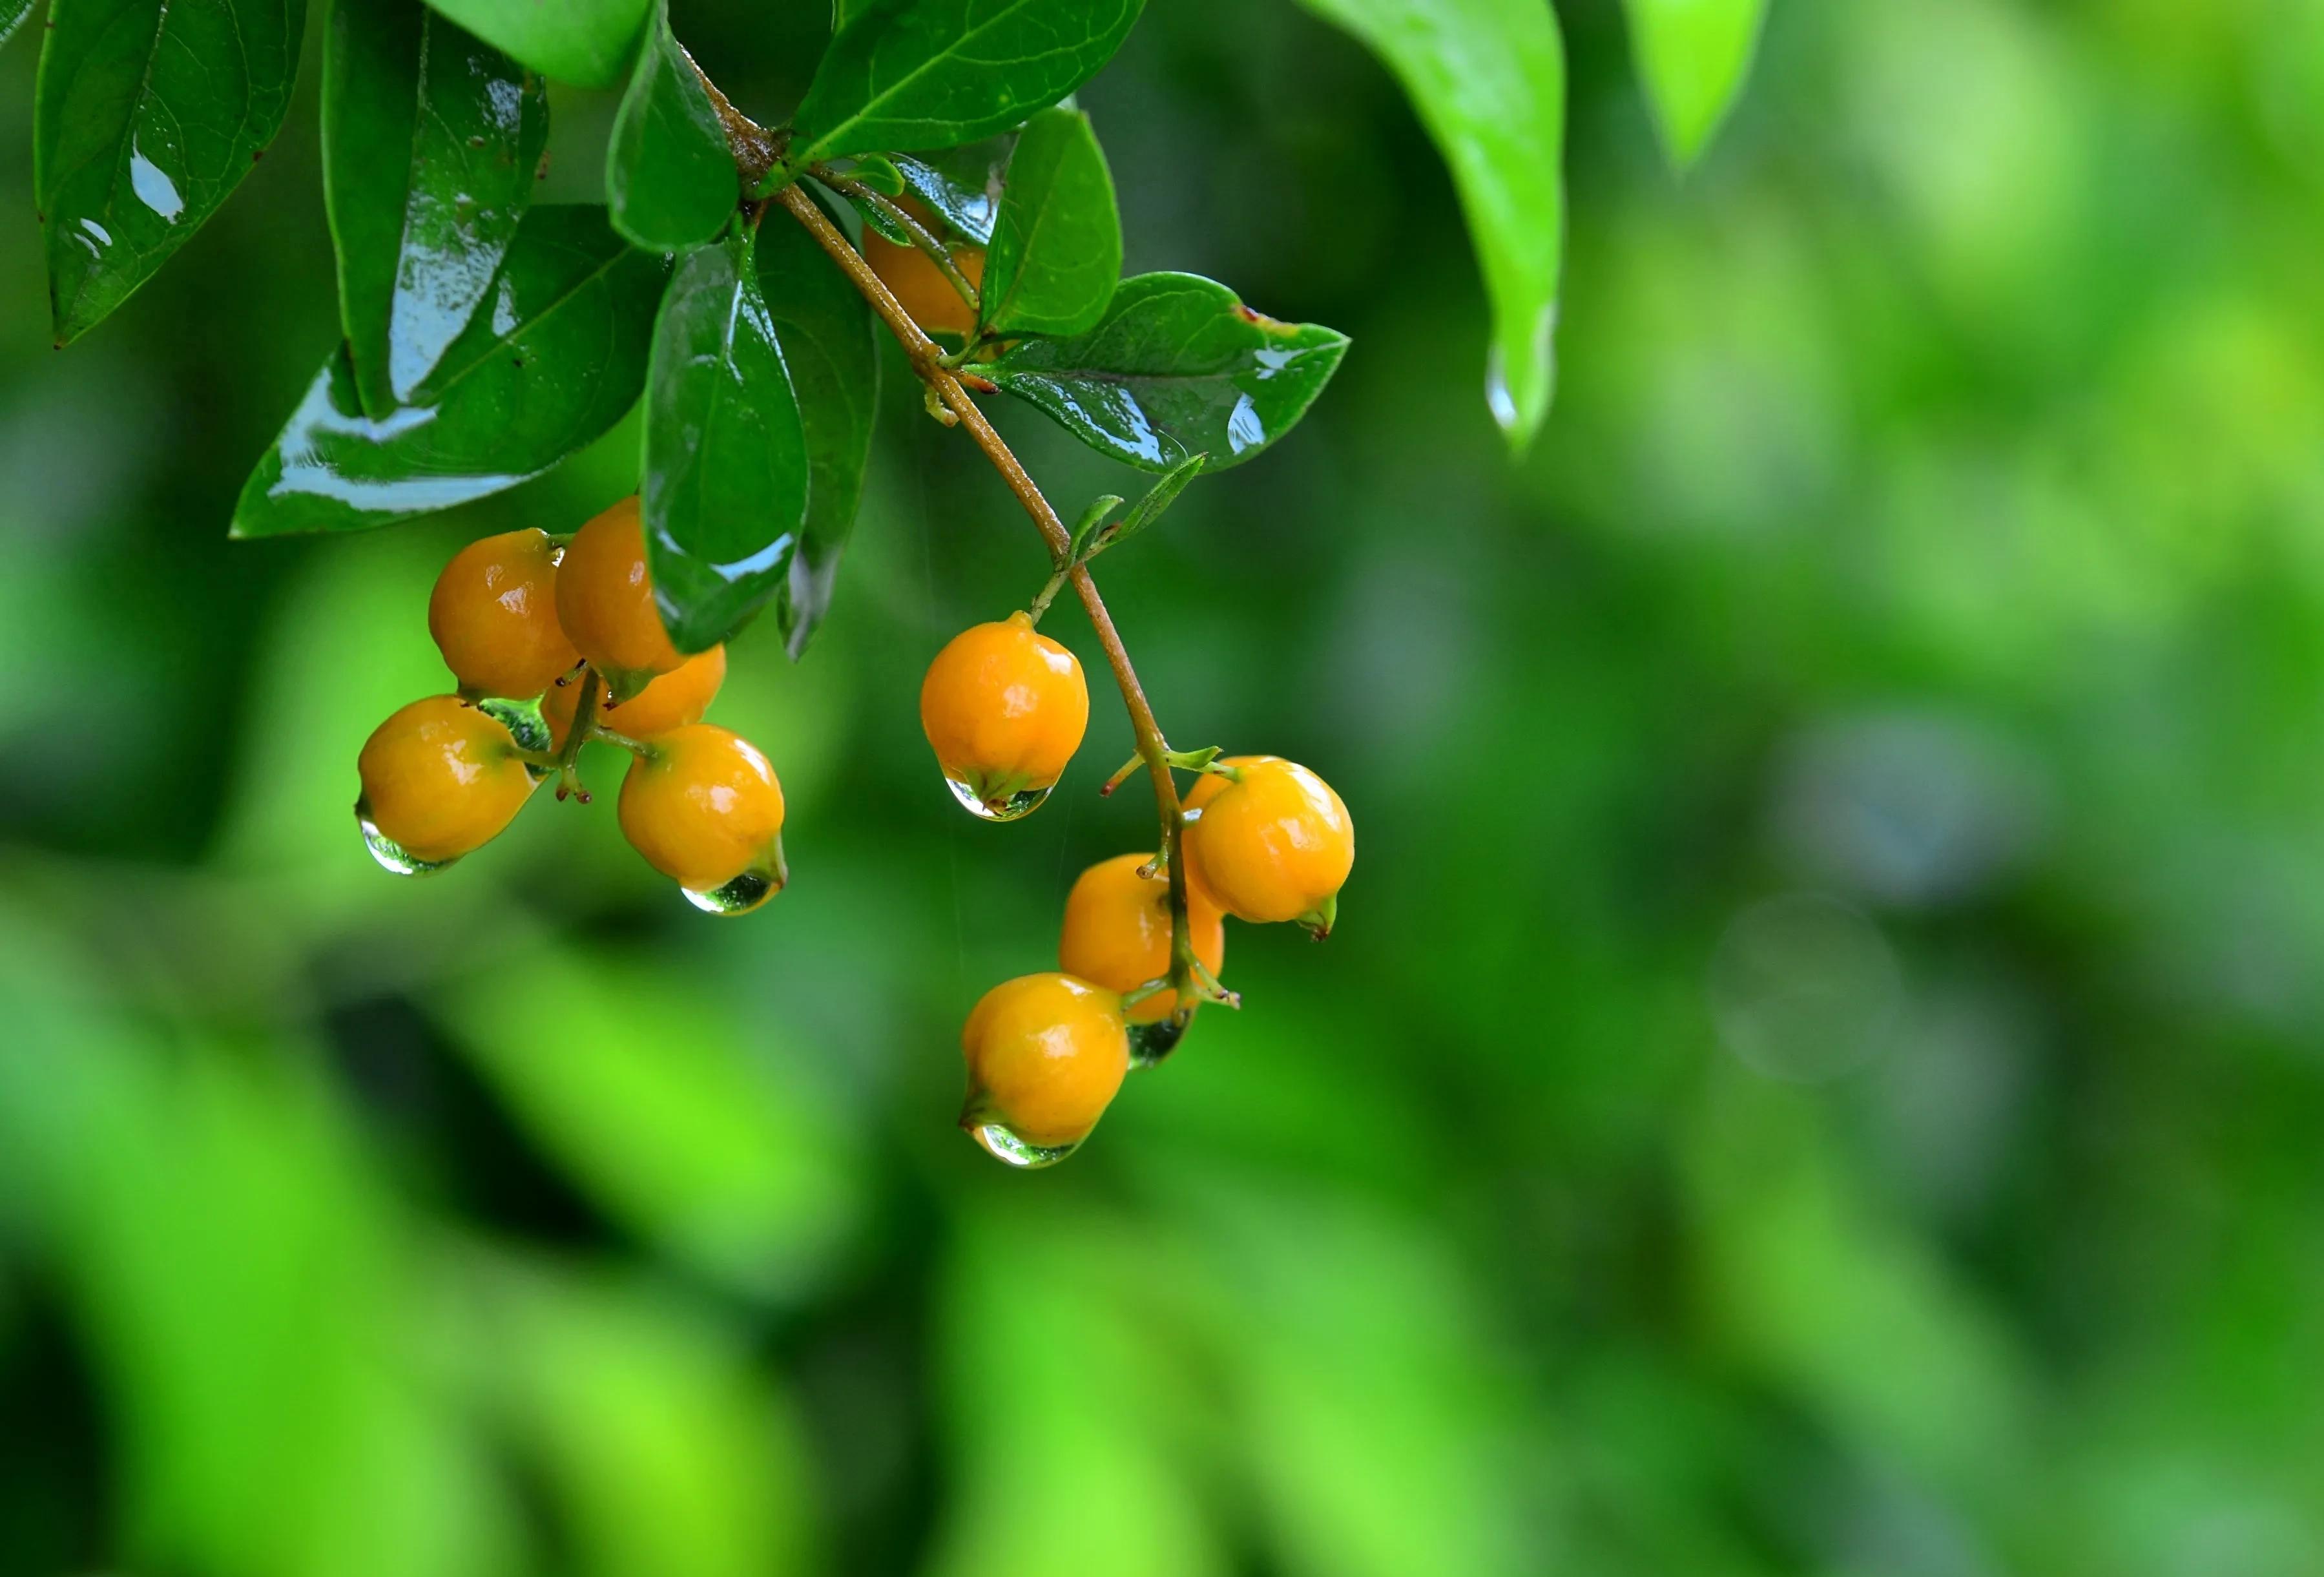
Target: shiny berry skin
1117 932
605 601
493 616
918 285
703 807
677 698
1046 1053
1273 842
1004 707
441 777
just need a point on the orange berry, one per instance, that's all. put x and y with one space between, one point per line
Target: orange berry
1004 707
679 697
704 807
1117 932
605 601
1046 1053
493 616
918 285
441 778
1273 842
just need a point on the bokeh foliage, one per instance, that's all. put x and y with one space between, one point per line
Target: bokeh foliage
1818 1070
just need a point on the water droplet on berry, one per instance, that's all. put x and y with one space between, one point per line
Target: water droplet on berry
1005 1145
393 856
1150 1043
1015 806
738 897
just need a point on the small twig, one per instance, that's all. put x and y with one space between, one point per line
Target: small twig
895 213
927 360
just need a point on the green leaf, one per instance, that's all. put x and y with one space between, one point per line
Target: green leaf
586 42
1056 248
430 141
913 74
726 470
1176 367
962 184
1487 78
671 180
556 358
830 347
149 112
1694 55
11 17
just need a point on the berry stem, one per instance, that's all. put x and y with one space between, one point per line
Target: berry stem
927 360
895 214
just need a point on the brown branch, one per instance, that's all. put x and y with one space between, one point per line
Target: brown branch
927 360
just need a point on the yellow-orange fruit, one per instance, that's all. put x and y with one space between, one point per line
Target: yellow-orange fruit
1273 842
493 616
1046 1053
918 285
605 601
1117 932
702 806
677 698
441 777
1004 709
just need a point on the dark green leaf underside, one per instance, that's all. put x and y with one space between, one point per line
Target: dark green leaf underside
583 41
1057 247
556 356
148 115
831 347
669 174
727 471
431 141
937 73
1177 366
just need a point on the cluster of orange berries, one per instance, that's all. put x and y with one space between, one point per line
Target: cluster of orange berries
544 639
552 644
1264 840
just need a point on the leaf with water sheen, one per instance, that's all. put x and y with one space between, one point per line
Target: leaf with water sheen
727 469
1177 366
831 347
1057 247
586 42
555 357
1487 78
11 17
669 172
430 141
148 114
916 74
1692 56
962 184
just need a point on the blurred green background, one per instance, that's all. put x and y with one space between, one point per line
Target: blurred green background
1819 1068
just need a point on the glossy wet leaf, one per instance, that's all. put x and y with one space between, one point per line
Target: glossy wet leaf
917 74
726 473
556 356
1692 56
669 172
962 184
431 138
1487 78
830 346
12 17
586 42
1177 366
149 112
1057 246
